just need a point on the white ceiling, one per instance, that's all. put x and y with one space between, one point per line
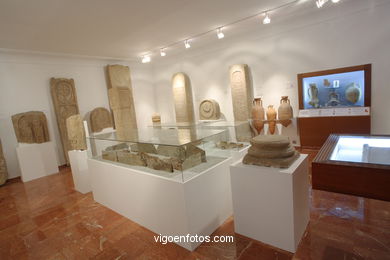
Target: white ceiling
114 28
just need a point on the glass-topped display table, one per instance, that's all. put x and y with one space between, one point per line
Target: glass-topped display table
178 154
171 181
354 164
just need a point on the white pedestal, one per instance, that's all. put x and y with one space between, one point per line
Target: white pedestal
37 160
79 164
197 206
271 205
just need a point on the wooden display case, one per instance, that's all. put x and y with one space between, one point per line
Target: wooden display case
314 131
354 164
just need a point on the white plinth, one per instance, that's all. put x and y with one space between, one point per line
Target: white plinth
79 164
37 160
271 205
197 206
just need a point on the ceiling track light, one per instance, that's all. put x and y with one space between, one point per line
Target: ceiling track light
321 3
146 59
187 44
220 34
267 19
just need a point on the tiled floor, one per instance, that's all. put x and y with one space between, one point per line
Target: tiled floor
47 219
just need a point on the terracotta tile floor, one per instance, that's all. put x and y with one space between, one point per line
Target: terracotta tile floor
47 219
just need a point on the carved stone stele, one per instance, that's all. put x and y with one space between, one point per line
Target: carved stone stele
241 92
120 95
100 118
182 95
209 110
31 127
76 133
63 93
3 167
118 76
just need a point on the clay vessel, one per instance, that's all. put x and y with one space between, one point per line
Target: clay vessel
313 95
271 117
285 111
353 93
258 114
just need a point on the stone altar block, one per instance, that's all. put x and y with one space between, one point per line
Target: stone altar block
271 205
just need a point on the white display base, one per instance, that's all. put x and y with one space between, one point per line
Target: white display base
79 164
271 205
197 206
37 160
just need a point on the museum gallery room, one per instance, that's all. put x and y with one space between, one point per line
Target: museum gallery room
177 129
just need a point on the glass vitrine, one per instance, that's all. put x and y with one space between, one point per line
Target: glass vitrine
362 149
354 164
178 154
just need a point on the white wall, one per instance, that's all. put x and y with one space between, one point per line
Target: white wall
351 33
25 86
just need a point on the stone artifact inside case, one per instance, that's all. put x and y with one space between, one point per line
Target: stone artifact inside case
31 127
3 167
182 95
64 97
285 111
166 152
241 92
228 145
76 133
271 151
165 157
209 110
100 118
120 95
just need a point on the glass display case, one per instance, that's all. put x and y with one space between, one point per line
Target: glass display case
335 88
354 164
178 154
239 131
362 149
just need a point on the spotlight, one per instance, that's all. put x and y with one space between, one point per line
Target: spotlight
220 34
187 44
267 19
146 59
335 1
321 3
163 53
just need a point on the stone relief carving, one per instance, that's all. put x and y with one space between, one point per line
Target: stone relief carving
100 118
209 110
182 95
76 133
241 92
165 158
64 97
3 167
120 95
31 127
